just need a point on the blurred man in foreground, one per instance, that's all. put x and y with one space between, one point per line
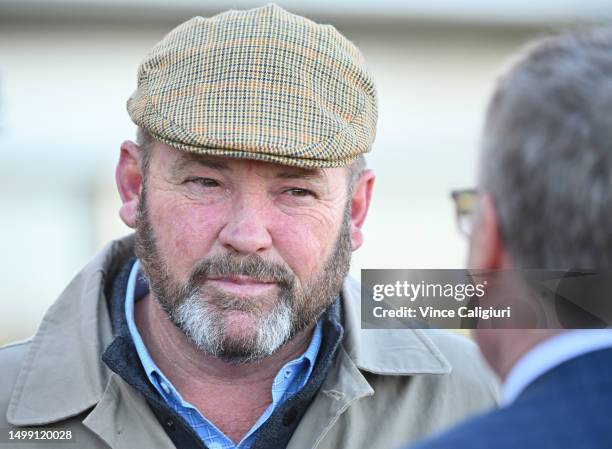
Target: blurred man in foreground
230 321
544 202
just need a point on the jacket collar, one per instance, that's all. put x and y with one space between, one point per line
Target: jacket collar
73 333
387 351
77 328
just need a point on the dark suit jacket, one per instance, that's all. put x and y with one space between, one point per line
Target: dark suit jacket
569 407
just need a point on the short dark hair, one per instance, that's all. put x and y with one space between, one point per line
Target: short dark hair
547 153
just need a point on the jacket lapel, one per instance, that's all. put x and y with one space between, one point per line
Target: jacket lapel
402 352
70 339
387 351
123 419
344 385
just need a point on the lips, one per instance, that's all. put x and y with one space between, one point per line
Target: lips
241 285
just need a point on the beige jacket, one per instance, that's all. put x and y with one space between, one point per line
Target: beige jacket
385 387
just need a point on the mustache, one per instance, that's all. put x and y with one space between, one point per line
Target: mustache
251 265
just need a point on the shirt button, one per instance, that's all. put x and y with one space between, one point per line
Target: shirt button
170 424
288 373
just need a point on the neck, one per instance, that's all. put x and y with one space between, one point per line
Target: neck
502 348
232 396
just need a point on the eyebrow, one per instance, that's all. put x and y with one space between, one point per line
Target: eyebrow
289 173
301 173
188 159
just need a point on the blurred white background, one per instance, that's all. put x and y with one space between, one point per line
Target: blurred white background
68 67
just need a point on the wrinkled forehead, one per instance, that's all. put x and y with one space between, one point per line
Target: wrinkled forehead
179 163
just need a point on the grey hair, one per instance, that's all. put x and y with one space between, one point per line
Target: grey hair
200 322
145 142
547 153
355 169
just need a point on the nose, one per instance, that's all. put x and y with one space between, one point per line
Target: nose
246 231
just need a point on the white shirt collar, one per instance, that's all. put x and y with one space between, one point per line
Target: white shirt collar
549 354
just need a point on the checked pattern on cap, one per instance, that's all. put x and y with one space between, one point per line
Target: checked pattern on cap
261 84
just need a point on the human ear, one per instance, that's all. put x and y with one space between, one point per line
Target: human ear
486 246
128 176
360 203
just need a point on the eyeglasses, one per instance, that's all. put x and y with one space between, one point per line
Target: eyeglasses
465 206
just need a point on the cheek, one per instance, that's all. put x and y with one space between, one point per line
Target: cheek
185 232
305 243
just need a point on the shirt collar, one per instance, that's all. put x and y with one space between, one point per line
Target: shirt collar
301 367
550 354
136 288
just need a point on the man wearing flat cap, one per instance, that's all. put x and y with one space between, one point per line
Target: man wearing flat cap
228 319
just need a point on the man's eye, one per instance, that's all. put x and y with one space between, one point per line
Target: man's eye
299 192
205 182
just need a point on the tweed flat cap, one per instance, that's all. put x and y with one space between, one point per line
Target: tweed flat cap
260 84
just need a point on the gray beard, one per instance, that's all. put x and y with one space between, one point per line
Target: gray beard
201 323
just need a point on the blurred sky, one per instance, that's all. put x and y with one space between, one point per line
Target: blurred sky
68 67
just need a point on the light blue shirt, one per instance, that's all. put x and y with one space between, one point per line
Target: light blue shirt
289 380
551 353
